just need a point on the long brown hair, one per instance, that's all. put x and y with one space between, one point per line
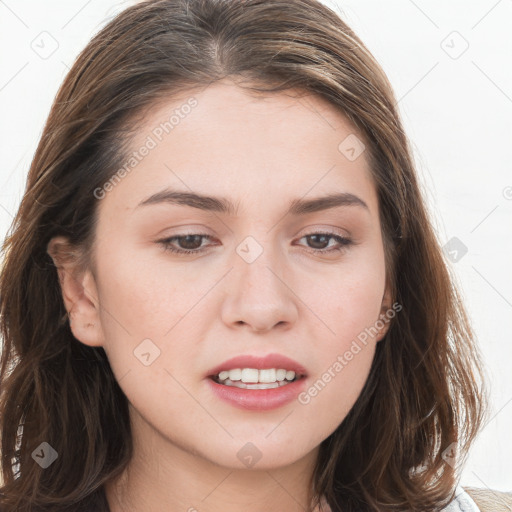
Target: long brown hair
425 391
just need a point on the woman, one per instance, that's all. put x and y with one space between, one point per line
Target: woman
222 290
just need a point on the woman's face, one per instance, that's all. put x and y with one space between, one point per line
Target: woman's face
252 173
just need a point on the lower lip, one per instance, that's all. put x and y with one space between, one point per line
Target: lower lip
258 399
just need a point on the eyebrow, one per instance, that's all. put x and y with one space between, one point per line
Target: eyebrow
225 206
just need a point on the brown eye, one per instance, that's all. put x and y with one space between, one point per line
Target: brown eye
320 242
190 241
185 244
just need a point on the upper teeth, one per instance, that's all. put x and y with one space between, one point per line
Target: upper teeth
254 375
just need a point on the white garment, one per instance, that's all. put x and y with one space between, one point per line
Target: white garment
462 502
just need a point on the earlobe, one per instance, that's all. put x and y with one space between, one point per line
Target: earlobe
79 292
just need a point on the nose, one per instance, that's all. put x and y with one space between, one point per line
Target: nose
258 297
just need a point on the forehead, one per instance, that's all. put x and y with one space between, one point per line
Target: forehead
236 142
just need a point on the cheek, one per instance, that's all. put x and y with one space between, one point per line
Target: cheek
350 300
148 298
333 392
154 302
345 358
350 306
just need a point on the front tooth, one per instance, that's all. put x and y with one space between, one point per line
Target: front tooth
250 375
280 375
265 385
253 375
267 375
235 374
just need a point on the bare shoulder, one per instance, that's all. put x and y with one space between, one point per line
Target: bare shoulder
489 500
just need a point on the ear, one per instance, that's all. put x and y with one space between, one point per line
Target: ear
79 292
385 315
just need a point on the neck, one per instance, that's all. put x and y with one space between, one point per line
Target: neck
163 476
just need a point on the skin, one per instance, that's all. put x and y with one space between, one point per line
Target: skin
200 310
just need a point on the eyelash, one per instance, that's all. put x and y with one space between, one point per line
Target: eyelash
343 241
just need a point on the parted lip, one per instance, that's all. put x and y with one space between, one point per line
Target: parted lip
259 362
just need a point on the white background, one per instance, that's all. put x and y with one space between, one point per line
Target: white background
456 108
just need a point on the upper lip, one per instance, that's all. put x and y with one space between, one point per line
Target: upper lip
259 362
